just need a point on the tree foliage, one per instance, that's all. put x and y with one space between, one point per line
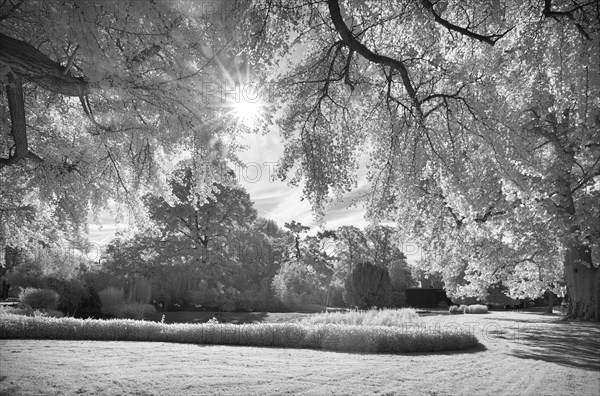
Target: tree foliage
102 99
378 245
368 286
480 120
214 253
481 123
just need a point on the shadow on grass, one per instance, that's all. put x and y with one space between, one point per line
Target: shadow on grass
475 349
566 343
472 350
535 318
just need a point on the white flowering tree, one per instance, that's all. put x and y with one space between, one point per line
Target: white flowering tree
481 120
101 99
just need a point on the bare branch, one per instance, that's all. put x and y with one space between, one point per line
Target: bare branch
557 15
488 39
351 41
70 61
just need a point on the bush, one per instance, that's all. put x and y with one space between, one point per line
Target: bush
295 285
45 299
368 286
398 298
345 338
476 309
372 317
134 311
455 309
462 308
442 305
54 314
28 311
72 293
110 299
20 310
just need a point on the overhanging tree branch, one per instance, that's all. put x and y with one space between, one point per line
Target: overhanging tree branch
29 63
356 46
20 61
557 15
490 39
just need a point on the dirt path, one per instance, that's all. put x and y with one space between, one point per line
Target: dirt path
524 354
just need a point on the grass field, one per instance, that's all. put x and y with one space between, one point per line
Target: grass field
522 354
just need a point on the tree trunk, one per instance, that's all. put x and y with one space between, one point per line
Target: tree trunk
550 308
21 62
14 92
583 283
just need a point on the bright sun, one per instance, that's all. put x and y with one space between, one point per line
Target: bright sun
247 112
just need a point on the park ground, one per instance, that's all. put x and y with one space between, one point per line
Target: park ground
521 354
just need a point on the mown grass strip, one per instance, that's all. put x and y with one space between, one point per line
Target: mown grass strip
346 338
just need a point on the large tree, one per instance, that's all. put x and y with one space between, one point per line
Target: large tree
214 252
481 119
197 233
101 99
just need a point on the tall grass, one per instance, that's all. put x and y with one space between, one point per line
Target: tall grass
140 292
110 299
383 317
348 338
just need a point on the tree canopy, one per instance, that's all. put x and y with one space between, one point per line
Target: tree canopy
480 119
103 98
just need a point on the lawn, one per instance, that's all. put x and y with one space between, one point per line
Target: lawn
522 353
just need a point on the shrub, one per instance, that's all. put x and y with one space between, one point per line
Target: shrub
72 293
254 298
45 299
476 309
140 292
20 310
110 299
134 311
455 309
295 285
462 308
372 317
398 298
442 305
28 311
368 286
53 314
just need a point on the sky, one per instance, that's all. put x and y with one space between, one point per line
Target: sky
273 199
